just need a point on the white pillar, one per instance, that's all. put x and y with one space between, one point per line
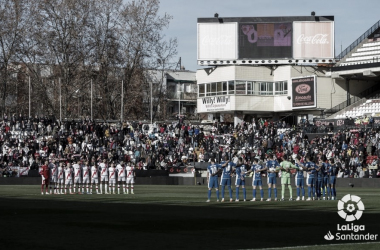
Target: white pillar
237 120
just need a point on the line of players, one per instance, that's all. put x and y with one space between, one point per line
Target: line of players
320 180
70 178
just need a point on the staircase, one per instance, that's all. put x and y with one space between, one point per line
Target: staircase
364 50
370 93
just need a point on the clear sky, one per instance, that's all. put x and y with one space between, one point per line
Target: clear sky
352 18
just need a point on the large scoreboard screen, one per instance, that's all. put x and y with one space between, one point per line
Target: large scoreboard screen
266 38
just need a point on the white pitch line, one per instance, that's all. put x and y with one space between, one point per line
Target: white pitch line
324 245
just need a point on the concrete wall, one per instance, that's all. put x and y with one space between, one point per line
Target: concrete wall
356 87
215 75
164 180
253 73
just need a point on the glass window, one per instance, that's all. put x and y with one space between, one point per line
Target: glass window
213 88
281 88
256 88
270 87
231 87
220 88
249 88
240 87
266 88
208 89
201 90
225 87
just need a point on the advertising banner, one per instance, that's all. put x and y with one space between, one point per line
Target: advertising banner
341 123
24 171
313 40
214 103
265 40
217 41
304 92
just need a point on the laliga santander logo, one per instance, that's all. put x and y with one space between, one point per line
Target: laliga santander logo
350 208
342 204
346 203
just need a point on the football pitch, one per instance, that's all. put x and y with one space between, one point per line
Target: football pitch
176 217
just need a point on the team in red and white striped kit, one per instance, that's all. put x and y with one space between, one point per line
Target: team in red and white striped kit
83 177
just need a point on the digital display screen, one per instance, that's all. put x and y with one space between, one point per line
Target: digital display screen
265 40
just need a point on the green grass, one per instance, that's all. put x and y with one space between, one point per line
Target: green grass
173 217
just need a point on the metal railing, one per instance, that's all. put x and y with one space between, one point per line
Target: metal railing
368 92
182 95
359 40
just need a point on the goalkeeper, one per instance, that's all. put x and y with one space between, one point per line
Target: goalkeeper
285 168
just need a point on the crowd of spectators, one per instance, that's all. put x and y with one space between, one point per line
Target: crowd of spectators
28 142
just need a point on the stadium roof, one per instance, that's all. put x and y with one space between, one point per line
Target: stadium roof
362 58
181 76
219 19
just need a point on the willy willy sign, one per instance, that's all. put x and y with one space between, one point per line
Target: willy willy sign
304 92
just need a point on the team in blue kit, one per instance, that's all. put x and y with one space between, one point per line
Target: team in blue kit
257 170
333 170
226 177
212 176
326 180
320 180
241 171
300 180
311 170
272 168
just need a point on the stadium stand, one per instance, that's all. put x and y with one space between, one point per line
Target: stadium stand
369 52
369 108
366 49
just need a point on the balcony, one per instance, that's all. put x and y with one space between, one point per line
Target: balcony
185 96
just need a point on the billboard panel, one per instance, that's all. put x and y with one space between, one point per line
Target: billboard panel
217 41
213 104
265 40
313 40
304 91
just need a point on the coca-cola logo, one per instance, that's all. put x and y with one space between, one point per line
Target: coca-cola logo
316 39
303 89
222 40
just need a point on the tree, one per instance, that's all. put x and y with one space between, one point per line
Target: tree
11 33
66 43
63 45
143 46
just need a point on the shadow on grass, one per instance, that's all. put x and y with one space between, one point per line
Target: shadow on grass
61 224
